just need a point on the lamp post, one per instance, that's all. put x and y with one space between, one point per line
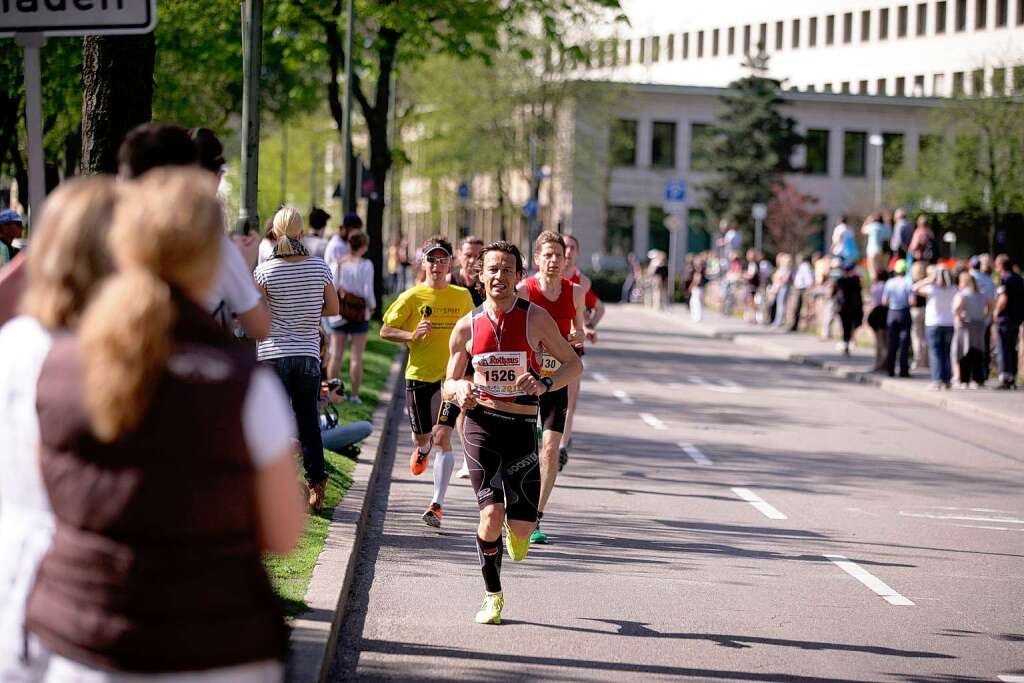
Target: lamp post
878 142
759 212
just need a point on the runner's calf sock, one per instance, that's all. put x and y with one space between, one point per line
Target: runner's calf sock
490 554
443 466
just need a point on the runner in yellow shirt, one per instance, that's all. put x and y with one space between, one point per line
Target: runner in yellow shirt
422 317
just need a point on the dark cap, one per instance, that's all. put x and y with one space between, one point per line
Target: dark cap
434 246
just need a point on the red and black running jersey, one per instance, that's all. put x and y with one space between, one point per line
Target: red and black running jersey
501 352
589 299
562 309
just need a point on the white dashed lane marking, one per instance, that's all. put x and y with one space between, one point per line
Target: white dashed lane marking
695 454
623 396
599 377
653 421
759 503
875 584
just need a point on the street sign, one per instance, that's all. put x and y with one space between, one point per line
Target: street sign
76 17
463 191
675 190
759 212
530 208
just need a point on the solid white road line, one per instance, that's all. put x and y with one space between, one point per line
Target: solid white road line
623 396
653 421
600 377
1010 678
695 454
963 518
758 502
875 584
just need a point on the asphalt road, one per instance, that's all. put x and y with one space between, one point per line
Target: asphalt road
723 517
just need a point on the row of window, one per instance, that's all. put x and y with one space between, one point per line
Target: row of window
1001 82
663 148
942 16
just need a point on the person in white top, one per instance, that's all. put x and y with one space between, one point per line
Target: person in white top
314 241
337 245
67 261
354 281
939 321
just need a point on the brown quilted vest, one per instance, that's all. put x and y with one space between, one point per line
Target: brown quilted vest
155 563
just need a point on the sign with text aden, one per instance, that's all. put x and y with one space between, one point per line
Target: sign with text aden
77 17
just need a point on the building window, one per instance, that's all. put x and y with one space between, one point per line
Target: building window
1002 12
762 37
1018 80
686 46
642 57
830 29
618 233
812 32
848 27
883 24
670 46
919 86
961 15
663 145
700 44
731 46
613 51
901 21
865 26
623 142
999 81
778 35
901 86
855 154
816 144
811 88
892 153
827 87
928 142
939 85
940 17
700 140
657 233
958 83
978 82
1020 12
844 87
980 13
714 43
922 19
862 88
655 49
880 87
796 34
627 52
746 39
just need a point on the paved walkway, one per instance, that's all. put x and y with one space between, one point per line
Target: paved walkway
998 407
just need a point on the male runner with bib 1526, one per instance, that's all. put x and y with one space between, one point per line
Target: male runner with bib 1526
422 317
563 300
503 338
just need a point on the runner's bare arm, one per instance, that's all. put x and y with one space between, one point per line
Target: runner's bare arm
596 315
544 333
578 324
456 387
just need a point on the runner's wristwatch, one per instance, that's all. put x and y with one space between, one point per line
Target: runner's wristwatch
547 382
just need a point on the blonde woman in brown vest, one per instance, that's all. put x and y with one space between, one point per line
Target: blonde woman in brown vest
67 260
166 464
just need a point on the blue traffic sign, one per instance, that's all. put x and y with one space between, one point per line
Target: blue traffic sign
530 208
675 190
463 191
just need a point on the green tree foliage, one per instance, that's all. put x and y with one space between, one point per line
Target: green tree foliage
750 145
973 162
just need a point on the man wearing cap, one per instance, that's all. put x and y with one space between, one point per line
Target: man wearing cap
10 230
896 296
422 318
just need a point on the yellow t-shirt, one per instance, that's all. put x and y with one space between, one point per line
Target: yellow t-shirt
428 357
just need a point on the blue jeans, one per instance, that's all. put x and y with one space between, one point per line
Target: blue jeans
336 438
940 345
898 332
300 376
1009 333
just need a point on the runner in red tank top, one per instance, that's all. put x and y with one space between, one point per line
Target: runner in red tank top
502 337
564 301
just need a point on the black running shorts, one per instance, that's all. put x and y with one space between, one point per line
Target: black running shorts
554 405
501 451
424 404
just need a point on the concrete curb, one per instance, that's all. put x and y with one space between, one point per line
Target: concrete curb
780 351
314 634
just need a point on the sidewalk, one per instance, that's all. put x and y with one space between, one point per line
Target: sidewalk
1004 409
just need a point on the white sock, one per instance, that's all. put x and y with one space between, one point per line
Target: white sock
443 466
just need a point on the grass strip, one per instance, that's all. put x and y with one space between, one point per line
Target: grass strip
291 573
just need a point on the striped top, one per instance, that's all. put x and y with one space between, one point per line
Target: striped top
295 294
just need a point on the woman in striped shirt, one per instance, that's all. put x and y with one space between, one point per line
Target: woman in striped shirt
299 289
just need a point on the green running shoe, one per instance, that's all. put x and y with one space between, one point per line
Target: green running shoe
538 536
517 547
490 610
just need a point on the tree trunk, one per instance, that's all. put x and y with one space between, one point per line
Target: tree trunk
117 95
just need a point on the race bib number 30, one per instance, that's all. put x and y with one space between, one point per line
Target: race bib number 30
496 372
549 364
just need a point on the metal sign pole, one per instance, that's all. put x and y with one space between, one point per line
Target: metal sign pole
31 42
252 60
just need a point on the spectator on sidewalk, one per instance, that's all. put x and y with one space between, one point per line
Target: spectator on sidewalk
11 227
354 283
877 318
896 297
972 311
314 242
849 302
657 273
299 289
803 281
902 233
167 458
337 246
844 242
1009 315
981 271
697 285
938 322
64 267
266 249
781 281
923 246
878 235
918 338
